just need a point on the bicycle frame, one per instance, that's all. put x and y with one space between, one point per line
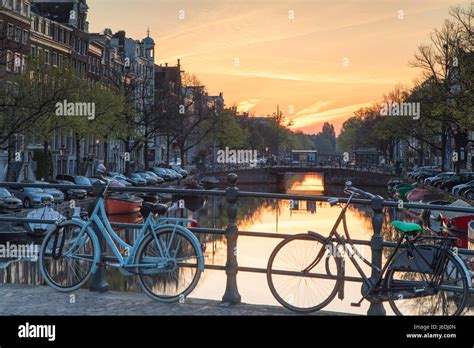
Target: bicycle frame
99 218
343 242
346 239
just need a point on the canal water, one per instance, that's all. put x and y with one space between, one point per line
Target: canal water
256 215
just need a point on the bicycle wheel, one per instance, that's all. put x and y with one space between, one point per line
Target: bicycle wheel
67 257
181 273
416 293
293 286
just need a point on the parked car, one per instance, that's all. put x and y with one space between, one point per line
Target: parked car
150 180
469 194
71 193
466 187
134 181
184 173
426 173
58 196
32 197
158 179
174 174
441 176
458 189
8 202
121 179
456 180
417 170
163 173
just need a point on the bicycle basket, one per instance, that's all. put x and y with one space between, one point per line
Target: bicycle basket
421 259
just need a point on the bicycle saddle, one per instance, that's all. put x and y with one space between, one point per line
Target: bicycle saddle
157 208
406 227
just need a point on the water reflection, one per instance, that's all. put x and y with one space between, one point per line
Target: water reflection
258 215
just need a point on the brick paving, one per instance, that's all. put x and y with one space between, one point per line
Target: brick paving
18 300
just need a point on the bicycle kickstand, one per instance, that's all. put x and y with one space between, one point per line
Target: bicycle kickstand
357 304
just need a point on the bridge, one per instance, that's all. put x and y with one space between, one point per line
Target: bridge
373 176
31 297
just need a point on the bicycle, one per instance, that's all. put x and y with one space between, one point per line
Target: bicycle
166 256
422 276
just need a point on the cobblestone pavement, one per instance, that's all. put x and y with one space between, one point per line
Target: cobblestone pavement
39 301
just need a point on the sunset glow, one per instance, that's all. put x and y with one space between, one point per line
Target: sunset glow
322 59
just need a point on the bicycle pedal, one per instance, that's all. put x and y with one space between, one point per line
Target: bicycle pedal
355 304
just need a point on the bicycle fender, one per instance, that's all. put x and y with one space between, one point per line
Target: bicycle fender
95 239
191 235
464 267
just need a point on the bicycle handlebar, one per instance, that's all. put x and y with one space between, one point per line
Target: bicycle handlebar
359 192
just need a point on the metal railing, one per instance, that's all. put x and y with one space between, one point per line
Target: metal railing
367 168
231 233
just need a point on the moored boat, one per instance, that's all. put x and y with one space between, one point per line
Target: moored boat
45 213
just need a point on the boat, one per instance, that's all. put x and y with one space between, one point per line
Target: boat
210 182
12 232
391 184
401 191
44 213
455 224
123 204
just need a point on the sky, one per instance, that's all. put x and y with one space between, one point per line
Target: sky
319 60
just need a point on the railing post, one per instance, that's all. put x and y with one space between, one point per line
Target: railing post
99 283
231 292
376 244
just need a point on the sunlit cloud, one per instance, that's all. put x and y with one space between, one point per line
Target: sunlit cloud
319 113
247 105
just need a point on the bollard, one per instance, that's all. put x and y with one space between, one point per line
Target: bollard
99 283
376 244
231 294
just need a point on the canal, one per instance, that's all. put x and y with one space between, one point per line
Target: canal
257 215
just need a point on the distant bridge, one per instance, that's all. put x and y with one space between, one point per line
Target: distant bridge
376 176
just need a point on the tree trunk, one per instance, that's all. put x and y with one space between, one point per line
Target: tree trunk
145 154
78 154
443 148
46 160
182 152
106 153
168 145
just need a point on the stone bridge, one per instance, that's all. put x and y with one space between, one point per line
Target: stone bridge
332 176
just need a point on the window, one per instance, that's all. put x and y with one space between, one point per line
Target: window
1 25
17 63
9 61
26 10
33 50
61 35
55 59
18 6
43 26
17 34
36 23
46 57
10 31
25 37
23 63
60 60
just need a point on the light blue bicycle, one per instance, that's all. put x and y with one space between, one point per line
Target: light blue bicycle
166 256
